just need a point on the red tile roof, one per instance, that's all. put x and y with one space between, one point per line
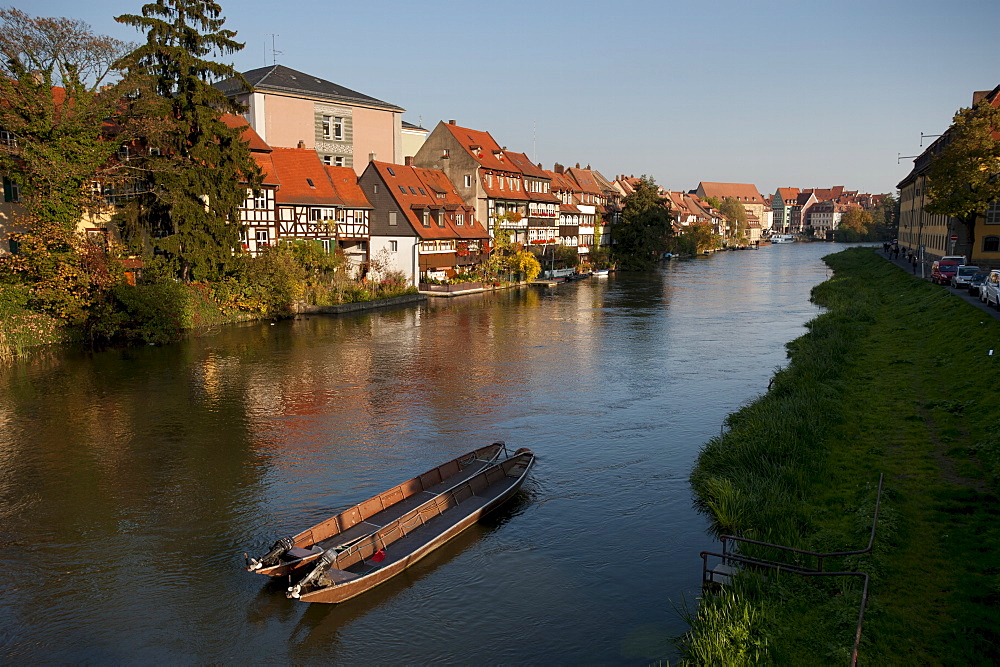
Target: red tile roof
303 178
745 193
256 143
345 183
481 146
416 189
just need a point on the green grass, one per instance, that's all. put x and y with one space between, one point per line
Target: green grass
896 378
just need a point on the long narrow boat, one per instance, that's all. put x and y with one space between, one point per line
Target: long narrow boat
341 575
290 554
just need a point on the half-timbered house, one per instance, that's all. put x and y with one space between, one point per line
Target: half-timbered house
421 225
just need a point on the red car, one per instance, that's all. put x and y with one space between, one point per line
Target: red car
942 272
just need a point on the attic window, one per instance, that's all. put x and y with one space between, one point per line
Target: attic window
402 189
310 182
422 191
391 172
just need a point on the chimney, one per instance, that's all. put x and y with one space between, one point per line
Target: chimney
371 157
558 168
408 160
302 144
451 122
577 165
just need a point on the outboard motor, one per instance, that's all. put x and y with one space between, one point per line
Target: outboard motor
278 549
326 560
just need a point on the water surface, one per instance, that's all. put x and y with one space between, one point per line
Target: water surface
132 481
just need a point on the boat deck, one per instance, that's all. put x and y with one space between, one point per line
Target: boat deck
393 512
433 527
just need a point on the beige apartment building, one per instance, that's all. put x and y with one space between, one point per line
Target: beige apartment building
291 109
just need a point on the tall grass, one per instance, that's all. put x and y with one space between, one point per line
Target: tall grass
893 378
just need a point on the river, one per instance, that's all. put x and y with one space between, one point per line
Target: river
132 481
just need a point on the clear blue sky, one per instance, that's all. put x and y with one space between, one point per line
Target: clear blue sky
776 93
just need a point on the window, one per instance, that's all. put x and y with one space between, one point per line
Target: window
262 238
338 162
991 244
468 181
374 188
326 244
459 219
402 189
327 127
319 214
311 184
391 172
412 190
260 199
328 159
439 217
338 128
426 221
993 214
392 218
8 138
11 191
421 191
393 246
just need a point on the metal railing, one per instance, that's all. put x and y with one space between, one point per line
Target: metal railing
729 557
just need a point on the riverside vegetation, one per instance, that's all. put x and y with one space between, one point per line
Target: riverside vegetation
896 377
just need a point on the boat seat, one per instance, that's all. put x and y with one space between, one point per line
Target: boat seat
295 553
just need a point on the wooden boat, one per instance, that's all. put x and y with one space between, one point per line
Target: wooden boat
341 575
293 553
599 273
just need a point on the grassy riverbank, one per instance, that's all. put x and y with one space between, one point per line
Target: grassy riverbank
894 378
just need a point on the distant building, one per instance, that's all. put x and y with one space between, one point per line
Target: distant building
413 137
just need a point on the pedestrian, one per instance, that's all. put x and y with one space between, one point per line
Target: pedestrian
895 251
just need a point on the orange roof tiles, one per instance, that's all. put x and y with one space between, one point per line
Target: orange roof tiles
303 178
744 192
345 183
256 143
416 189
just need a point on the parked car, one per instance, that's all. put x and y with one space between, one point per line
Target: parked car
990 291
976 283
963 275
943 271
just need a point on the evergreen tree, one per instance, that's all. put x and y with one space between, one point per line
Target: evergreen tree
191 192
641 237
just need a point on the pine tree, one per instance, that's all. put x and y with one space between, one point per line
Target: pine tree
192 190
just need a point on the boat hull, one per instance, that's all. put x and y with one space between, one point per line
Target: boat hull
453 521
365 518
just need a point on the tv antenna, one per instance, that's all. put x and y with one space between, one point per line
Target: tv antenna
274 52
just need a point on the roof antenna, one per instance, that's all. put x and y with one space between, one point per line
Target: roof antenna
274 52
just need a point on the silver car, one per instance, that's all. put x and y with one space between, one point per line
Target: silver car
990 291
963 275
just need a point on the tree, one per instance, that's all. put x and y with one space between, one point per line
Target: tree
640 239
736 217
191 191
698 238
885 215
56 144
964 176
855 225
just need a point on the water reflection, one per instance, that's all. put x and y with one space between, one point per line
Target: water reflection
132 481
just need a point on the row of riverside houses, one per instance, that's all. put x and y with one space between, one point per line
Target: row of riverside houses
430 205
343 168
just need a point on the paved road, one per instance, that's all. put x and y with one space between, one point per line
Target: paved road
961 293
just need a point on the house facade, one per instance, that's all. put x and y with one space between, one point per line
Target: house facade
484 176
421 227
292 109
934 234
